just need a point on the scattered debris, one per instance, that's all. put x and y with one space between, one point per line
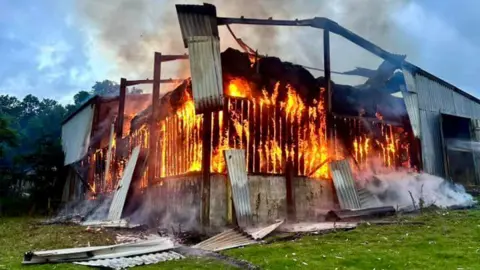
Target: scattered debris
336 215
316 227
99 252
194 252
226 240
122 223
123 262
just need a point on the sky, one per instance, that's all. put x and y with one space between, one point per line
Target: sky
46 50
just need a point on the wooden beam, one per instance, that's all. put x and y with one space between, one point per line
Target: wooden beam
152 161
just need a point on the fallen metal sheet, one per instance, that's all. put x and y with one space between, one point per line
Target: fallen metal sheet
344 184
98 252
122 223
237 174
367 199
226 240
122 263
118 202
361 213
260 233
316 227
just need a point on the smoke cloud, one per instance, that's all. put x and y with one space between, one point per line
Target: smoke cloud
403 188
129 31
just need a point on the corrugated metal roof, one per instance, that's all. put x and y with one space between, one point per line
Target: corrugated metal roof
316 227
260 233
206 69
344 184
361 213
237 175
122 263
197 20
226 240
116 208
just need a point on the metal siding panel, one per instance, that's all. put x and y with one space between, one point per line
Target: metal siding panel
116 208
432 155
434 96
237 174
411 103
459 102
76 135
344 184
206 70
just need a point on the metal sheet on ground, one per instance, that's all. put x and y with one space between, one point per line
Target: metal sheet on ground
122 262
99 252
226 240
260 233
344 184
237 175
116 208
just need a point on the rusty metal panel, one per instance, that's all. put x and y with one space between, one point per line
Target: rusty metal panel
344 184
197 20
116 208
237 174
124 262
431 141
226 240
206 70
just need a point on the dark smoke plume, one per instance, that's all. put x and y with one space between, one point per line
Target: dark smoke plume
129 31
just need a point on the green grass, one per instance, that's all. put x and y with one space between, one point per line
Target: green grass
448 240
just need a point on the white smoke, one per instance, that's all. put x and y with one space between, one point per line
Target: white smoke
463 145
405 190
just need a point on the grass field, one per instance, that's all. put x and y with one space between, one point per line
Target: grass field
447 240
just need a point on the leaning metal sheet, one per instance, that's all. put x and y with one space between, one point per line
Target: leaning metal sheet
344 184
237 174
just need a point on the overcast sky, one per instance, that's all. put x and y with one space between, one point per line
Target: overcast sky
45 50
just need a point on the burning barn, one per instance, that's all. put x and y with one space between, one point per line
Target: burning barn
289 124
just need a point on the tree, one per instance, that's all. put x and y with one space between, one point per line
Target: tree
8 137
106 87
81 97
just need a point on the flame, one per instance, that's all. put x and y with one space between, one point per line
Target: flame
238 87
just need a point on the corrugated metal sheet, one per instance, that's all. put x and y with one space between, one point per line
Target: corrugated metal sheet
122 263
411 103
226 240
344 184
76 135
98 252
436 97
116 208
367 200
431 141
197 20
260 233
206 70
237 174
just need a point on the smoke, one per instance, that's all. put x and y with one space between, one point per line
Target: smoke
130 31
404 188
463 145
156 209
